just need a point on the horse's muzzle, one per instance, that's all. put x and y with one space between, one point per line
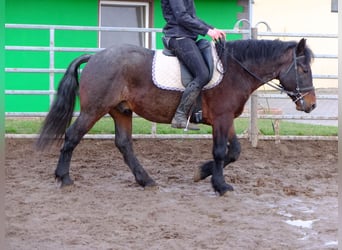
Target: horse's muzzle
306 103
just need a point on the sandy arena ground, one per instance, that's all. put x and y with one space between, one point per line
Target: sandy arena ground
285 198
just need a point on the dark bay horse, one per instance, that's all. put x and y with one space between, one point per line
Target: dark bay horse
117 81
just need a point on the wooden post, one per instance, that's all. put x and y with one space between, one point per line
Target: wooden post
254 130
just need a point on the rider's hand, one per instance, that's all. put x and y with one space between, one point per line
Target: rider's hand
216 34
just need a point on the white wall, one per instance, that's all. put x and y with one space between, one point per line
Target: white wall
303 16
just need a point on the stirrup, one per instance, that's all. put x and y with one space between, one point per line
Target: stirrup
185 124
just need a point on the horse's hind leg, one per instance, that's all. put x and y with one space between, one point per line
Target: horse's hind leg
73 136
123 141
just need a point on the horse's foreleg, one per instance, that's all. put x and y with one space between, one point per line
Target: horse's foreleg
232 154
219 151
123 141
73 136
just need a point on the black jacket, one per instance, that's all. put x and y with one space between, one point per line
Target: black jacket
181 19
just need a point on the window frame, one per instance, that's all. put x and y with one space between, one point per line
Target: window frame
148 7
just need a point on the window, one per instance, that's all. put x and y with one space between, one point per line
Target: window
123 14
334 5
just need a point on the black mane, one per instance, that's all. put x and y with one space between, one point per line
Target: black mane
259 51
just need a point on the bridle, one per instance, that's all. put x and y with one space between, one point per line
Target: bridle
300 91
297 95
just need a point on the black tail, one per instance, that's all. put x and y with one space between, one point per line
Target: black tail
61 112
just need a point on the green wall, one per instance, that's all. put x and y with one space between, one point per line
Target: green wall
62 12
221 14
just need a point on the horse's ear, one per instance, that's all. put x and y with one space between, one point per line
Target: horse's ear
301 47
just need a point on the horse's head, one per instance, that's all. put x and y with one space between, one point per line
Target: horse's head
296 78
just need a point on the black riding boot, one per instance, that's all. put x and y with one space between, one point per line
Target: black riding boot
188 99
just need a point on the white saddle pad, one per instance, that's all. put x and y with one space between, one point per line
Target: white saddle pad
166 72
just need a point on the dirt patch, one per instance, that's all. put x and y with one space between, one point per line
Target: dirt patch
285 198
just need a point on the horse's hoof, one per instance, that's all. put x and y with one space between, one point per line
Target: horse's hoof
151 188
67 183
197 174
222 188
228 194
150 184
225 189
63 181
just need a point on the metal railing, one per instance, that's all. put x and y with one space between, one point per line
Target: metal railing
253 131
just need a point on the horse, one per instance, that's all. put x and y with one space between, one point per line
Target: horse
118 81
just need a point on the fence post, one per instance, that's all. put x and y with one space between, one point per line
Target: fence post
254 130
52 64
154 47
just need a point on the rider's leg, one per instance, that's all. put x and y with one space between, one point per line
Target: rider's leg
187 51
188 99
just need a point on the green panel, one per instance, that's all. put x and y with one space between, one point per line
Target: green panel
221 14
27 103
22 37
24 81
159 22
62 12
27 59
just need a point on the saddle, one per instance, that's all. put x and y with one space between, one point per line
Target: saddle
170 74
205 48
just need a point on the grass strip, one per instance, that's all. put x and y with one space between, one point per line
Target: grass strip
142 126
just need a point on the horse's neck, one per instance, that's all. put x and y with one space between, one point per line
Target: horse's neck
270 68
263 67
267 70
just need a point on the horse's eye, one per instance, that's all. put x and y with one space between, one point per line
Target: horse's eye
303 68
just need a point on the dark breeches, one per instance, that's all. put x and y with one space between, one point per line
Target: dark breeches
188 52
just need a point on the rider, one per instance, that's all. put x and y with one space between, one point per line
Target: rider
181 32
